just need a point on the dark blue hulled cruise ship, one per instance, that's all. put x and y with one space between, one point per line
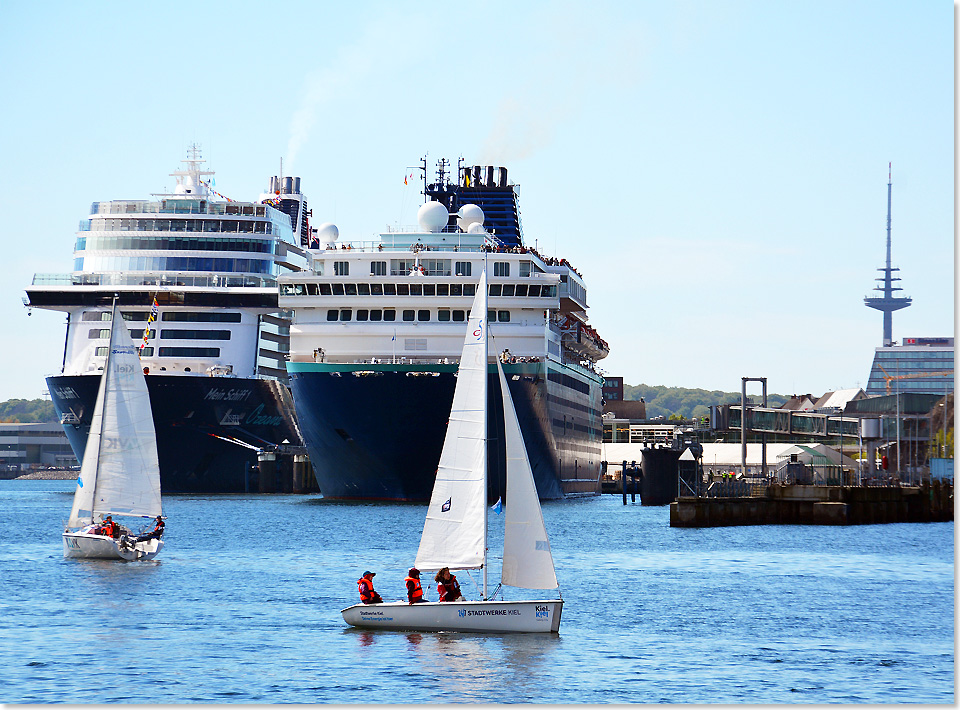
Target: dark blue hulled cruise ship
195 275
377 332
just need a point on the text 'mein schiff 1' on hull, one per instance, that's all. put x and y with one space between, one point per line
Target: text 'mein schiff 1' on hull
195 274
375 344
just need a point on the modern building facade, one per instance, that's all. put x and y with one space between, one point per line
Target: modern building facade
25 446
923 365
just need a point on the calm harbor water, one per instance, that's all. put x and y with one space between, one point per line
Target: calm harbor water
242 606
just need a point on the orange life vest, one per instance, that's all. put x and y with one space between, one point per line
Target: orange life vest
416 593
366 590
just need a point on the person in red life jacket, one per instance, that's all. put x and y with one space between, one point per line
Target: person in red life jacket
414 590
157 532
447 586
368 594
108 527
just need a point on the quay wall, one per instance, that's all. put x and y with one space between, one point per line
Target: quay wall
819 505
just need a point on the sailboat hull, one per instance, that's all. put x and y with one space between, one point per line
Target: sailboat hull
77 544
540 616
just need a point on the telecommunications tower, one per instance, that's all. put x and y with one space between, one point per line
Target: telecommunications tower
888 303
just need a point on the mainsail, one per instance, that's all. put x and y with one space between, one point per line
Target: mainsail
120 474
454 533
527 560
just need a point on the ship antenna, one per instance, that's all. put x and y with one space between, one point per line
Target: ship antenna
423 167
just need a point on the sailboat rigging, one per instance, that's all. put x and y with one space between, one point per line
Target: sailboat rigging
455 528
120 474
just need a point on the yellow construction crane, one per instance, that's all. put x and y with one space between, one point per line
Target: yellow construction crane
916 375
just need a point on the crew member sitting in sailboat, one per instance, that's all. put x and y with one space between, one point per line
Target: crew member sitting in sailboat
156 533
368 594
447 586
414 590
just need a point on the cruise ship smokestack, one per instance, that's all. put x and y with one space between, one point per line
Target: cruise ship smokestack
503 177
489 182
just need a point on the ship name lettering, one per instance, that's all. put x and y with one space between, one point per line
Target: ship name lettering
66 392
257 417
231 395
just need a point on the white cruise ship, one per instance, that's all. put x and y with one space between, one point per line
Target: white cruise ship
195 274
378 328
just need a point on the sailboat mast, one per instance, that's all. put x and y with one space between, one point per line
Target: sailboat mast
102 394
486 340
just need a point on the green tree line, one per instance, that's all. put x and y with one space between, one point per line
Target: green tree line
27 411
685 403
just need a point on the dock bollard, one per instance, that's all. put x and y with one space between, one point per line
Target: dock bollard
268 471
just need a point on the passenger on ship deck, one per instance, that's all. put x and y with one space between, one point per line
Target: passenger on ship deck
414 590
447 586
157 532
368 594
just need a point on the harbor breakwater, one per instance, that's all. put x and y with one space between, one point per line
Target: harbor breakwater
819 505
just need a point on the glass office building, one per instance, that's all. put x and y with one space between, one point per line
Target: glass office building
922 365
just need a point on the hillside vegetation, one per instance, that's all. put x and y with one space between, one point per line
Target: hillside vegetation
26 411
688 403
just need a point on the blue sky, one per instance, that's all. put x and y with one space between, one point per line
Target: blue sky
715 169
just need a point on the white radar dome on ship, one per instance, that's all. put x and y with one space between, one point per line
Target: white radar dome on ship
432 216
327 233
469 214
476 228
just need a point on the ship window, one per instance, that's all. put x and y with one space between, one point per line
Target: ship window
146 352
299 289
403 289
378 268
443 289
501 268
337 289
436 267
98 334
346 314
429 289
469 289
549 291
362 314
408 314
96 315
389 289
443 314
363 289
521 289
375 314
525 268
495 289
456 289
333 314
389 314
312 289
459 316
416 289
534 289
508 289
287 289
189 352
341 268
423 315
463 268
178 334
351 289
503 316
101 352
376 289
138 334
325 289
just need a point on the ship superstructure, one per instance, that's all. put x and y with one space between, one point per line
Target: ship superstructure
378 329
195 275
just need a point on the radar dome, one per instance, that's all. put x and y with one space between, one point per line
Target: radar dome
476 228
432 216
327 233
469 214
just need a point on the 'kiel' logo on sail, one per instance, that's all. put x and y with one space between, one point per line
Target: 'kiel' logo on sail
446 506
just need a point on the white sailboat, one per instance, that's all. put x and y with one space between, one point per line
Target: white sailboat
455 530
119 475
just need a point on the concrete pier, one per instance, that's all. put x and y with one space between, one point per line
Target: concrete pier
819 505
